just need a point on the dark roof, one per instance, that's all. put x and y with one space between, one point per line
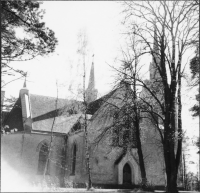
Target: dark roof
95 105
4 115
44 109
14 117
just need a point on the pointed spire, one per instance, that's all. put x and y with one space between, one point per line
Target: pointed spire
24 86
91 84
24 83
155 43
91 92
154 74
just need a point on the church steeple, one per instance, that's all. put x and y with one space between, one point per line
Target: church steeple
154 74
91 84
91 92
24 82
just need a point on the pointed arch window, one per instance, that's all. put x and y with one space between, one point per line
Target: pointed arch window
127 174
43 158
74 151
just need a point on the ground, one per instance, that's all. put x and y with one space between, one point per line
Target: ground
13 181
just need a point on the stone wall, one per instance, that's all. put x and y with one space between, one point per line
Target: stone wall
80 169
103 157
152 150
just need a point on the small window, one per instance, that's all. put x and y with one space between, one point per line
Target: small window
74 150
43 158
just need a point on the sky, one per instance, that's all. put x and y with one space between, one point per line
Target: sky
102 22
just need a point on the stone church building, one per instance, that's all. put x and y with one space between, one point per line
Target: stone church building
37 122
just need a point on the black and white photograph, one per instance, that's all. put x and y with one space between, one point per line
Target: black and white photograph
100 96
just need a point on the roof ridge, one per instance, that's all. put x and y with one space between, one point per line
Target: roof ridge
48 96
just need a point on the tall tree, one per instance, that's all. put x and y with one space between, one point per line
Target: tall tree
176 24
130 64
83 43
23 34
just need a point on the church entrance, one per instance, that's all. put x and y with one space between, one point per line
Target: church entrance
127 174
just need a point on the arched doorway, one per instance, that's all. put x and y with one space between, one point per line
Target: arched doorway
127 174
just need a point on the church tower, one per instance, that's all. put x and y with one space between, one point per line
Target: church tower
154 73
91 92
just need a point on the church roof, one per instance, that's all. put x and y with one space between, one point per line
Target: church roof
61 124
43 109
95 105
41 105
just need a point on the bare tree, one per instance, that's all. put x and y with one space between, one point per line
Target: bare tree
176 24
51 139
131 67
83 42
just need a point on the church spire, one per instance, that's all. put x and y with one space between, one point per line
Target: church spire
155 43
154 74
91 92
91 84
25 82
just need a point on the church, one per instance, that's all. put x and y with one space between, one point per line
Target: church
36 123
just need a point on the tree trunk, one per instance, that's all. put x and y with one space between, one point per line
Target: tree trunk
139 148
171 171
89 184
63 163
172 182
169 141
140 153
137 128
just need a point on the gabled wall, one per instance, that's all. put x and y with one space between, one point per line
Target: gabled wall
103 155
153 154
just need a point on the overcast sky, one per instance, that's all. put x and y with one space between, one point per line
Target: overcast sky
102 21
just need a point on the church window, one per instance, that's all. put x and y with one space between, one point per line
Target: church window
74 151
43 159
